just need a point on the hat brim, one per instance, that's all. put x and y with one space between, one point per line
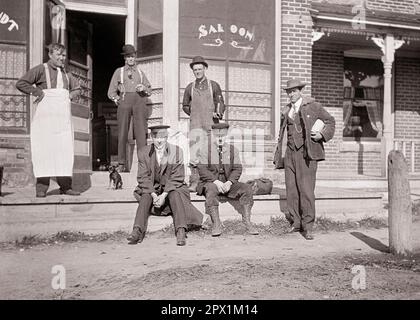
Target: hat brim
194 63
300 87
127 53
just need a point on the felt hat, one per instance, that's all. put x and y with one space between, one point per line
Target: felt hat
198 60
128 49
294 83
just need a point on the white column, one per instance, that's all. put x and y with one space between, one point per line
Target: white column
36 36
131 23
171 63
277 70
36 33
388 47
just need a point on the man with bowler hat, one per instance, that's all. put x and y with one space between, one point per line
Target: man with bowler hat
203 102
161 189
308 125
220 169
129 89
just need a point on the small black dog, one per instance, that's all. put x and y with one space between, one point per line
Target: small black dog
114 178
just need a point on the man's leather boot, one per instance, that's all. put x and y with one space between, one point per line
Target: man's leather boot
180 237
246 218
216 230
136 236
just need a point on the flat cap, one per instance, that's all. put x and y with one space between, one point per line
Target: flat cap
220 125
159 127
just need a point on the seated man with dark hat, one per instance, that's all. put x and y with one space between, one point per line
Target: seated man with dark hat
220 168
161 189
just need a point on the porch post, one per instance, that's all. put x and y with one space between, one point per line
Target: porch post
171 63
36 33
388 47
277 72
131 23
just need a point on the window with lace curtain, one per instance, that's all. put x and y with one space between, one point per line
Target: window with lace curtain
363 99
14 37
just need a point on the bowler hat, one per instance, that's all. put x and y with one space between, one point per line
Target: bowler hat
294 83
128 49
220 125
158 127
198 60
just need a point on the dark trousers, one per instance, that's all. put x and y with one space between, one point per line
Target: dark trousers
132 106
238 191
43 183
175 200
300 175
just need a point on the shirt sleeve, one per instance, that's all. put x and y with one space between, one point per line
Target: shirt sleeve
186 101
27 83
218 100
147 84
113 85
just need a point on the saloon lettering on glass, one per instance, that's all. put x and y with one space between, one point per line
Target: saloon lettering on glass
244 33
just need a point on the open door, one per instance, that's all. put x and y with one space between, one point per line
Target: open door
79 57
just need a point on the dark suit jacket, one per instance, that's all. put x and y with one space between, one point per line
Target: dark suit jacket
310 111
208 166
171 170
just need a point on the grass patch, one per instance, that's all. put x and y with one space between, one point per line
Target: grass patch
278 226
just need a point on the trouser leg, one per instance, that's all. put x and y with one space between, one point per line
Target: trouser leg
124 112
65 183
178 209
211 194
143 212
139 121
42 184
306 179
292 194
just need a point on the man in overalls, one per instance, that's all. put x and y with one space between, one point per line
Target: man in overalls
52 134
129 89
203 102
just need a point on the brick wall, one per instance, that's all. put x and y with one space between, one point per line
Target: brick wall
407 102
397 6
16 159
296 43
342 157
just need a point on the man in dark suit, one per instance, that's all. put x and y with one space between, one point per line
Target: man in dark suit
161 188
304 150
220 168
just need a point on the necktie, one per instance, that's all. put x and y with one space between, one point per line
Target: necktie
59 79
295 111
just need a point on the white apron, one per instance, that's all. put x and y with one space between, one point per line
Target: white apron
52 134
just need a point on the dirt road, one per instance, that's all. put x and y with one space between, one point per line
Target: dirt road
229 267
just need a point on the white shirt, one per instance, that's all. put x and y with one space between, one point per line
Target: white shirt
159 155
295 108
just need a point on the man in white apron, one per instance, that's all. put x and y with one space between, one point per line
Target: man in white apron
52 145
203 102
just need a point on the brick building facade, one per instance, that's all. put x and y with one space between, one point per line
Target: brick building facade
335 46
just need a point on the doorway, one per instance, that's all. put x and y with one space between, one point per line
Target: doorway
108 36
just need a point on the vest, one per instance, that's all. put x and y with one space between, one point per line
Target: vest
295 134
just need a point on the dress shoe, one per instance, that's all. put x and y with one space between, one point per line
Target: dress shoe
308 235
136 236
70 192
41 194
293 229
180 237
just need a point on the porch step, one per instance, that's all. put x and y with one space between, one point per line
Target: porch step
101 210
